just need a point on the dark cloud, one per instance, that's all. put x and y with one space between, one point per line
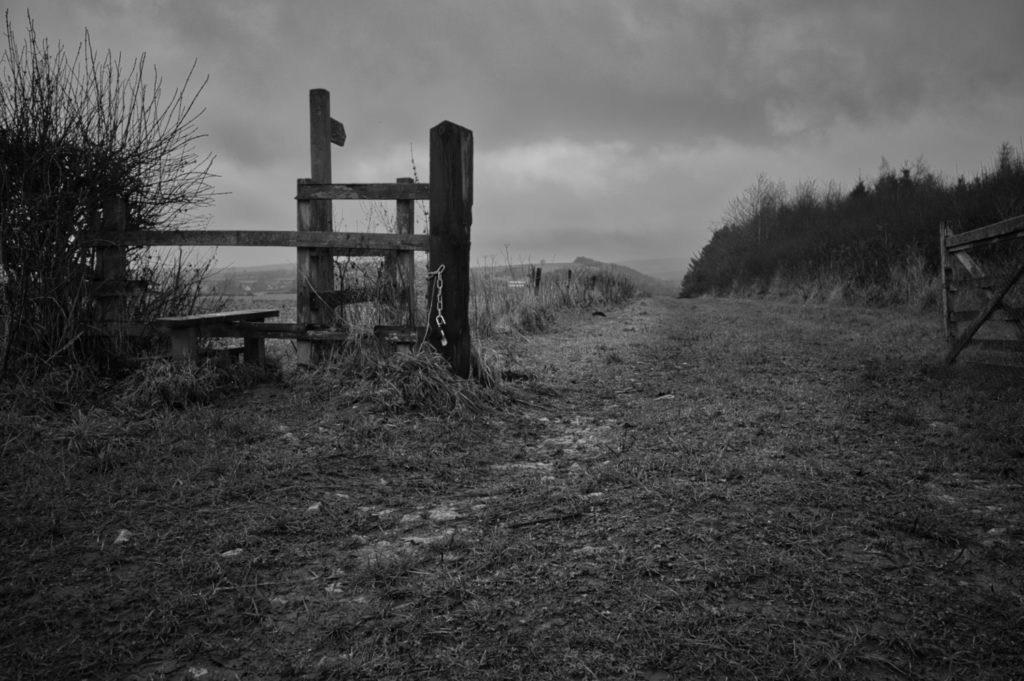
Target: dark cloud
630 122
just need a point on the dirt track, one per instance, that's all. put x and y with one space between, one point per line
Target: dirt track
678 490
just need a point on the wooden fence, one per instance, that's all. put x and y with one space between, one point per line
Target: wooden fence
978 307
450 193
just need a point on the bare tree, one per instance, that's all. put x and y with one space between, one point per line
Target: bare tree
757 206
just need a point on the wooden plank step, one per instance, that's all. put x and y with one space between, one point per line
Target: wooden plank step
214 318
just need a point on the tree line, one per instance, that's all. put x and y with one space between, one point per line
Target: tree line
863 245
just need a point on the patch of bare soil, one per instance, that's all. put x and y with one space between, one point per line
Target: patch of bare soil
681 489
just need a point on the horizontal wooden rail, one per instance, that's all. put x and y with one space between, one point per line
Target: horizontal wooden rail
113 288
1011 228
301 331
273 330
364 192
352 243
997 345
360 294
1006 314
975 283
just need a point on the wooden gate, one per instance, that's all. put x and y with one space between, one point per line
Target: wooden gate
982 310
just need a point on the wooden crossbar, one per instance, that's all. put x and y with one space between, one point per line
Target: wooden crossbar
355 242
1011 228
381 191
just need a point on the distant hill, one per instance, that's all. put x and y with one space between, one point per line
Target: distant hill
669 269
654 285
655 275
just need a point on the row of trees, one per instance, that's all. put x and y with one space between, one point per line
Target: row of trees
772 237
76 129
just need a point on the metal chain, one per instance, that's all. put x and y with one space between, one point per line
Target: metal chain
439 320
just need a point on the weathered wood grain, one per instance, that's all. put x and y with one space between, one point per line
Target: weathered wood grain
451 215
1010 228
385 191
994 301
356 243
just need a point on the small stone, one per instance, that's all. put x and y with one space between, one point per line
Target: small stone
442 513
411 518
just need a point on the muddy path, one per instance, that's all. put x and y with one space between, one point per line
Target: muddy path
672 490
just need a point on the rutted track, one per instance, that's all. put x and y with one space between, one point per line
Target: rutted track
678 489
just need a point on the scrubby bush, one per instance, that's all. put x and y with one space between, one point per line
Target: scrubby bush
75 131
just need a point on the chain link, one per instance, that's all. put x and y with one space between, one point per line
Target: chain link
439 320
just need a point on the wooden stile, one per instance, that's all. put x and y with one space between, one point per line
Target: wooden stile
451 195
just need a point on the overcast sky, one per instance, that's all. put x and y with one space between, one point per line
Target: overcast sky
617 130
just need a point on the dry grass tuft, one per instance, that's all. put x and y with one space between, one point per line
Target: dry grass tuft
166 383
413 382
422 381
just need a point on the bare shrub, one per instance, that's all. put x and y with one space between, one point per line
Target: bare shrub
75 131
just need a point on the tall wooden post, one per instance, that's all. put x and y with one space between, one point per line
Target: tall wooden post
451 215
947 284
316 266
112 264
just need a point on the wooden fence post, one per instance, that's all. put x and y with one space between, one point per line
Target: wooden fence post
112 264
947 283
315 266
401 265
451 215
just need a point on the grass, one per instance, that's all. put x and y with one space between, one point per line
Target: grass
681 489
497 307
908 284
